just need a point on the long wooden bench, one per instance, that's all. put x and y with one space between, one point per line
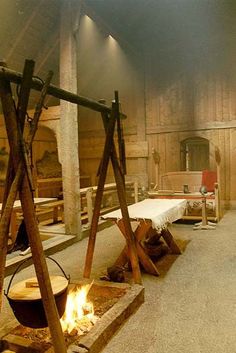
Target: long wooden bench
57 208
53 210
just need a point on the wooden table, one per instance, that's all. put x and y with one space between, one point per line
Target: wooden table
17 207
151 215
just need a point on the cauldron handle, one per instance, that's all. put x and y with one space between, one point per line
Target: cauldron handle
21 264
50 258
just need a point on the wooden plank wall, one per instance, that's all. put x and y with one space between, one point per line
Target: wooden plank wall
205 108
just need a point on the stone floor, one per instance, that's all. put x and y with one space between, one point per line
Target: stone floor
190 308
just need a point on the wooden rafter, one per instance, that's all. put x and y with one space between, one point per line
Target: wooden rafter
51 44
24 29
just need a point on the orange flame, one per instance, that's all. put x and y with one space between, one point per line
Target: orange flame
79 312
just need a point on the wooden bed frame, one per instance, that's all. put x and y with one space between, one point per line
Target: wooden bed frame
172 186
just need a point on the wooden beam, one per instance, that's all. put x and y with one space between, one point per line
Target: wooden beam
204 125
16 77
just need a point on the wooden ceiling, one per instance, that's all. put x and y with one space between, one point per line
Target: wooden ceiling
173 33
29 29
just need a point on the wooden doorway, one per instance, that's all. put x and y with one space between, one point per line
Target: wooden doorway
194 154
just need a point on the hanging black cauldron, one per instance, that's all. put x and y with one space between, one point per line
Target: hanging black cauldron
26 301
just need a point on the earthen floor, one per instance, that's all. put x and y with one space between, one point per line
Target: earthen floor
190 308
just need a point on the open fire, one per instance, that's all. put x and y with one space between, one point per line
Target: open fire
79 314
82 330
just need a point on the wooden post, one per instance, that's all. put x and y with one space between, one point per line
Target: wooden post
123 204
218 185
31 224
217 202
125 216
68 144
12 187
135 191
156 159
98 198
89 201
204 212
4 229
141 134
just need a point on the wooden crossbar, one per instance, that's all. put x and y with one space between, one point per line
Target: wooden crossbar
37 84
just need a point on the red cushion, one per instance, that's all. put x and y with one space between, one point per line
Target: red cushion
209 178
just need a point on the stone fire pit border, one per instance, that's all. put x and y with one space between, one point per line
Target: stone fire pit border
99 335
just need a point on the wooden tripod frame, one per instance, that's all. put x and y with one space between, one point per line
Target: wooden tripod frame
19 179
109 152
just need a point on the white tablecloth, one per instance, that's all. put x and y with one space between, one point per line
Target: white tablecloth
160 211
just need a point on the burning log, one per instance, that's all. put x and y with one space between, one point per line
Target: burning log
79 315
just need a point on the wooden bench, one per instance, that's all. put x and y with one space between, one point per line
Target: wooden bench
56 207
52 210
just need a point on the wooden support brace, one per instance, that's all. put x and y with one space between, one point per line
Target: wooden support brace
31 224
98 198
130 238
167 236
11 184
119 178
145 260
109 151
